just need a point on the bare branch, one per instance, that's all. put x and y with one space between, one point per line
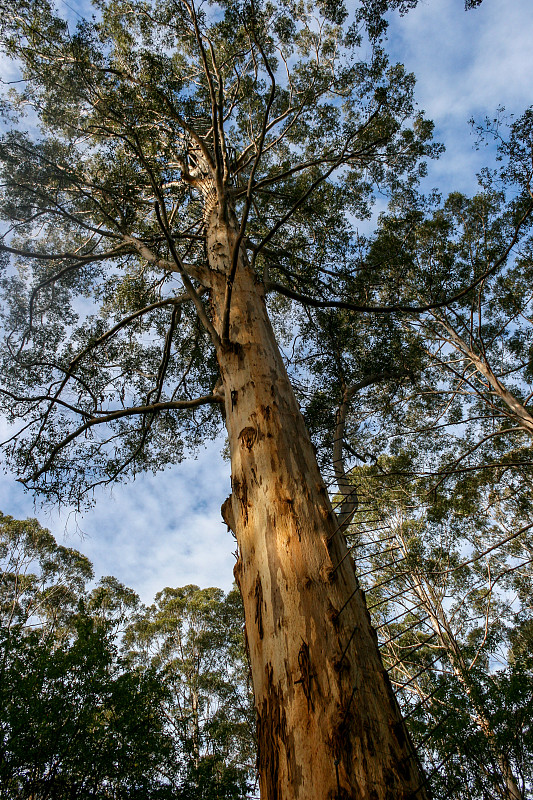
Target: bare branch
206 322
81 259
195 270
248 201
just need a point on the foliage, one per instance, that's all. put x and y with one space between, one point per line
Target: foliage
304 130
194 637
79 719
74 724
452 620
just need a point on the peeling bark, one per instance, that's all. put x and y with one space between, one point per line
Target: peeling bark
329 726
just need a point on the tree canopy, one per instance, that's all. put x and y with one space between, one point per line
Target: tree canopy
87 712
186 200
126 108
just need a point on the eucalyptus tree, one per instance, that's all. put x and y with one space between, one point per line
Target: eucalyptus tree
194 639
480 349
192 172
192 175
448 450
40 581
75 721
449 593
467 605
102 697
446 402
442 419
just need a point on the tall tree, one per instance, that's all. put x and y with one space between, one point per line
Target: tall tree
193 172
449 654
450 436
39 579
74 720
101 697
194 638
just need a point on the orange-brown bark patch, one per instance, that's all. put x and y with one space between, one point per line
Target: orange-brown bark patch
247 437
258 594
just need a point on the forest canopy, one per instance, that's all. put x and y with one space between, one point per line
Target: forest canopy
183 254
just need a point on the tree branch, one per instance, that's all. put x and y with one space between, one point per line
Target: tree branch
248 201
163 263
206 322
399 307
88 258
153 408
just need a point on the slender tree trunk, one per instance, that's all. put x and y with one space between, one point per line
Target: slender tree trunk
509 790
518 411
195 729
329 727
439 622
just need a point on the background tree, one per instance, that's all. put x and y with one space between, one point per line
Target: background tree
450 454
442 510
39 578
449 595
101 697
73 721
194 638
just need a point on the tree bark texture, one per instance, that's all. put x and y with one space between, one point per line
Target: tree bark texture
329 726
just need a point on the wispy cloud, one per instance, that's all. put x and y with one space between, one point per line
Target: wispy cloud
466 64
165 529
160 530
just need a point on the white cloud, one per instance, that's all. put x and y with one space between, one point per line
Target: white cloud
165 529
159 530
464 60
466 65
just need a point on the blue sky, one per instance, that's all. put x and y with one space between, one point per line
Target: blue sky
166 530
466 64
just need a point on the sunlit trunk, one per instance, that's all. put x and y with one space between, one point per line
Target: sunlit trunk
328 722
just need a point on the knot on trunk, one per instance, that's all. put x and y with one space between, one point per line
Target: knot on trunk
247 437
227 513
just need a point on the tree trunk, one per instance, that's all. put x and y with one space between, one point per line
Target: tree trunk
508 788
518 411
329 726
